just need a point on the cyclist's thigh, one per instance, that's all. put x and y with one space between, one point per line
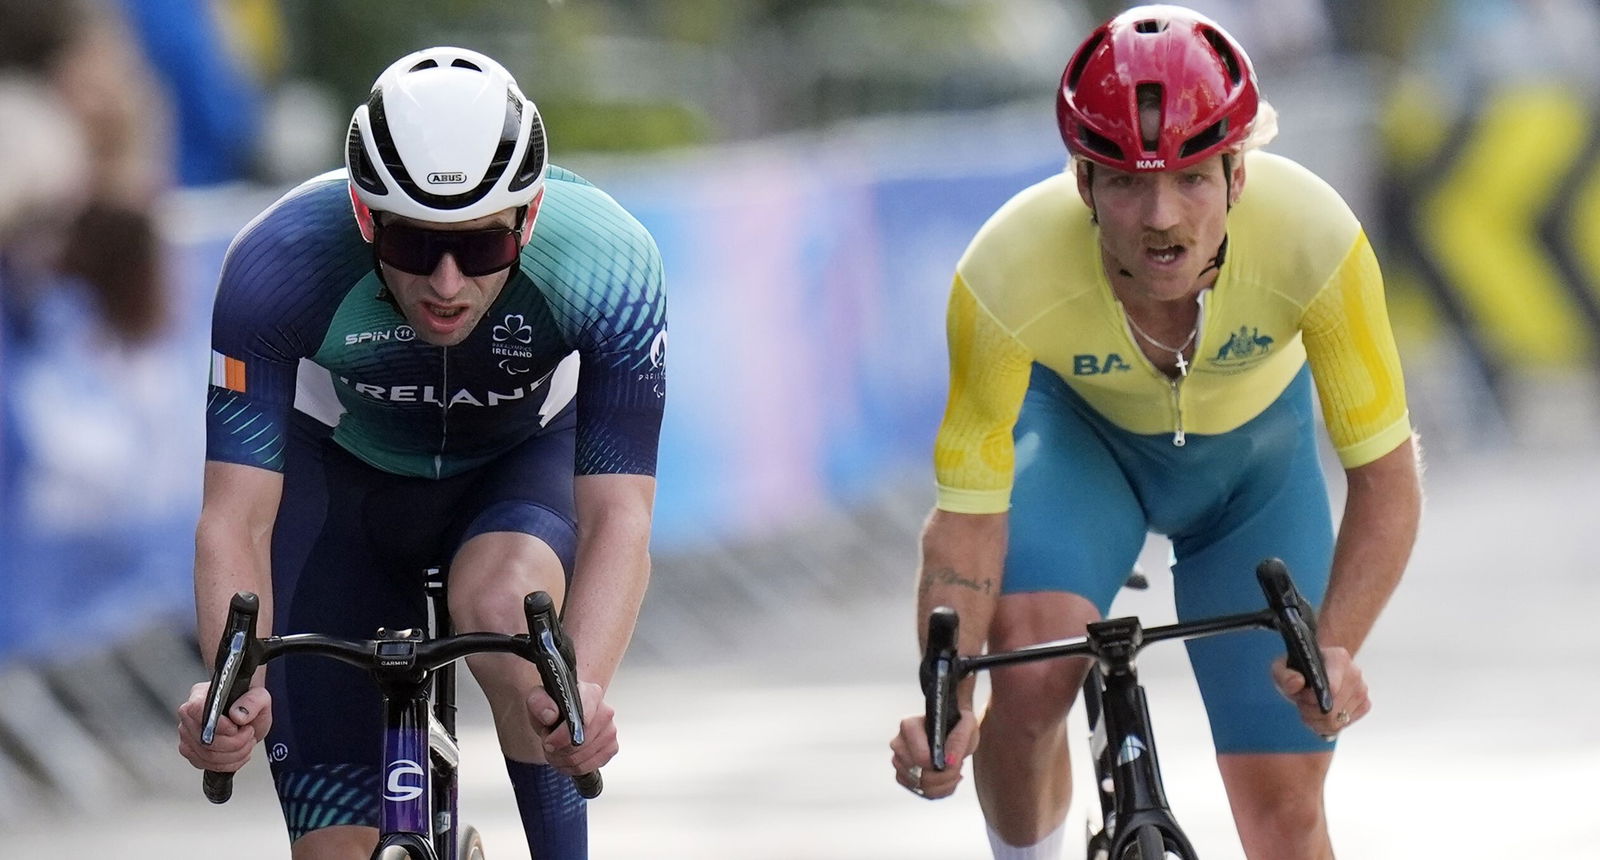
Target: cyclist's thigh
1279 508
528 490
1042 690
1076 525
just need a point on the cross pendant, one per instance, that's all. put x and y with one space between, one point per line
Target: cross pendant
1183 365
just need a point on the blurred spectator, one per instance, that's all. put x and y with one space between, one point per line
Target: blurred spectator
44 169
79 50
215 100
89 461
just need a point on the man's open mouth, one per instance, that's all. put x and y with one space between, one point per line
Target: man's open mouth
1165 254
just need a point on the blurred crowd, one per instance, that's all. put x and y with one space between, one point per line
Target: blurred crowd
108 106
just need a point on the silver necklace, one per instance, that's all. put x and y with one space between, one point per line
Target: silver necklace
1183 363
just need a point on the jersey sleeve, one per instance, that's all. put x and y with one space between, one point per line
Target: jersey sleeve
622 377
272 308
1351 348
252 371
989 369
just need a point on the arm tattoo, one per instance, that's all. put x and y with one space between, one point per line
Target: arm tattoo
948 576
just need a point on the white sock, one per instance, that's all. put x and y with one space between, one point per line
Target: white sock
1048 848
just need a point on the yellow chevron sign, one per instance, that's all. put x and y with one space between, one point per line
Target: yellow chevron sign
1483 198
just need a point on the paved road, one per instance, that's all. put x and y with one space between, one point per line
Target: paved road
1484 742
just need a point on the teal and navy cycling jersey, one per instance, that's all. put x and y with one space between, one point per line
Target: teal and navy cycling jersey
301 320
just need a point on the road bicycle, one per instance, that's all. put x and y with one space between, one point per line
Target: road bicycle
415 673
1136 823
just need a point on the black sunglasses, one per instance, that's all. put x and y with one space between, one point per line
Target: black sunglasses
417 250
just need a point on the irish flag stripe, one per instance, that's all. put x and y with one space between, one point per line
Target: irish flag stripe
227 372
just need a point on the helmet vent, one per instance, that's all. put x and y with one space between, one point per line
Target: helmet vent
459 63
1076 72
425 64
361 169
1225 53
532 159
1205 139
1150 25
1148 98
1100 143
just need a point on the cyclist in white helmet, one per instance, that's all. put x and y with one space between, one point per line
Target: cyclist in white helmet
400 390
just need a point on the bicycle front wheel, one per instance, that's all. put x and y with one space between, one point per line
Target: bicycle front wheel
1148 844
469 845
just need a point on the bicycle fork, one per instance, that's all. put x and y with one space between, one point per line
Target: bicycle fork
1124 747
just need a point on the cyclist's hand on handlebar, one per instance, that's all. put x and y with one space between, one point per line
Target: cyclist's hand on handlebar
238 729
1349 688
913 764
599 726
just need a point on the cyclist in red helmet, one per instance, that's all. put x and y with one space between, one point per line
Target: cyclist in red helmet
1133 346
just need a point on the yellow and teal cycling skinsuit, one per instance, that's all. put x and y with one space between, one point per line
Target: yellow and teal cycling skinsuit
1056 414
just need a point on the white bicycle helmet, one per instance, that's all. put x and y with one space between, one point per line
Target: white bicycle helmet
445 136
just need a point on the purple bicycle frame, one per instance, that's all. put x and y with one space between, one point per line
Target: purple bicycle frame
407 770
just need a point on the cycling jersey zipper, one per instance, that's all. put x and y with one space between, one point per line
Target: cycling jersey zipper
444 409
1179 437
1178 440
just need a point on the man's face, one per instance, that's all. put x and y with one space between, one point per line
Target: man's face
1162 227
445 305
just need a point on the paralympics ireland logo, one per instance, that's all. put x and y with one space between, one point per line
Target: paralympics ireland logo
512 341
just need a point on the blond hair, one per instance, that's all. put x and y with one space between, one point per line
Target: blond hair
1262 129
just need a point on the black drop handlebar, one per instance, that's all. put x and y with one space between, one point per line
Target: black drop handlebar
240 653
1288 613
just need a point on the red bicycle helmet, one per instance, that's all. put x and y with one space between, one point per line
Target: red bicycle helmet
1167 57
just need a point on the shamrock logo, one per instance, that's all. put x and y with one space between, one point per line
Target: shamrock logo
513 329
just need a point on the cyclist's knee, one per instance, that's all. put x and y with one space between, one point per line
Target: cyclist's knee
494 607
1277 800
336 843
1034 617
1284 827
491 576
1035 696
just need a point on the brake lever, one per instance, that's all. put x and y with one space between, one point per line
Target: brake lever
939 676
238 655
556 660
1296 621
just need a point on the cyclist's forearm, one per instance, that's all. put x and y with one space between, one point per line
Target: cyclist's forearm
962 560
228 560
1381 515
610 572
